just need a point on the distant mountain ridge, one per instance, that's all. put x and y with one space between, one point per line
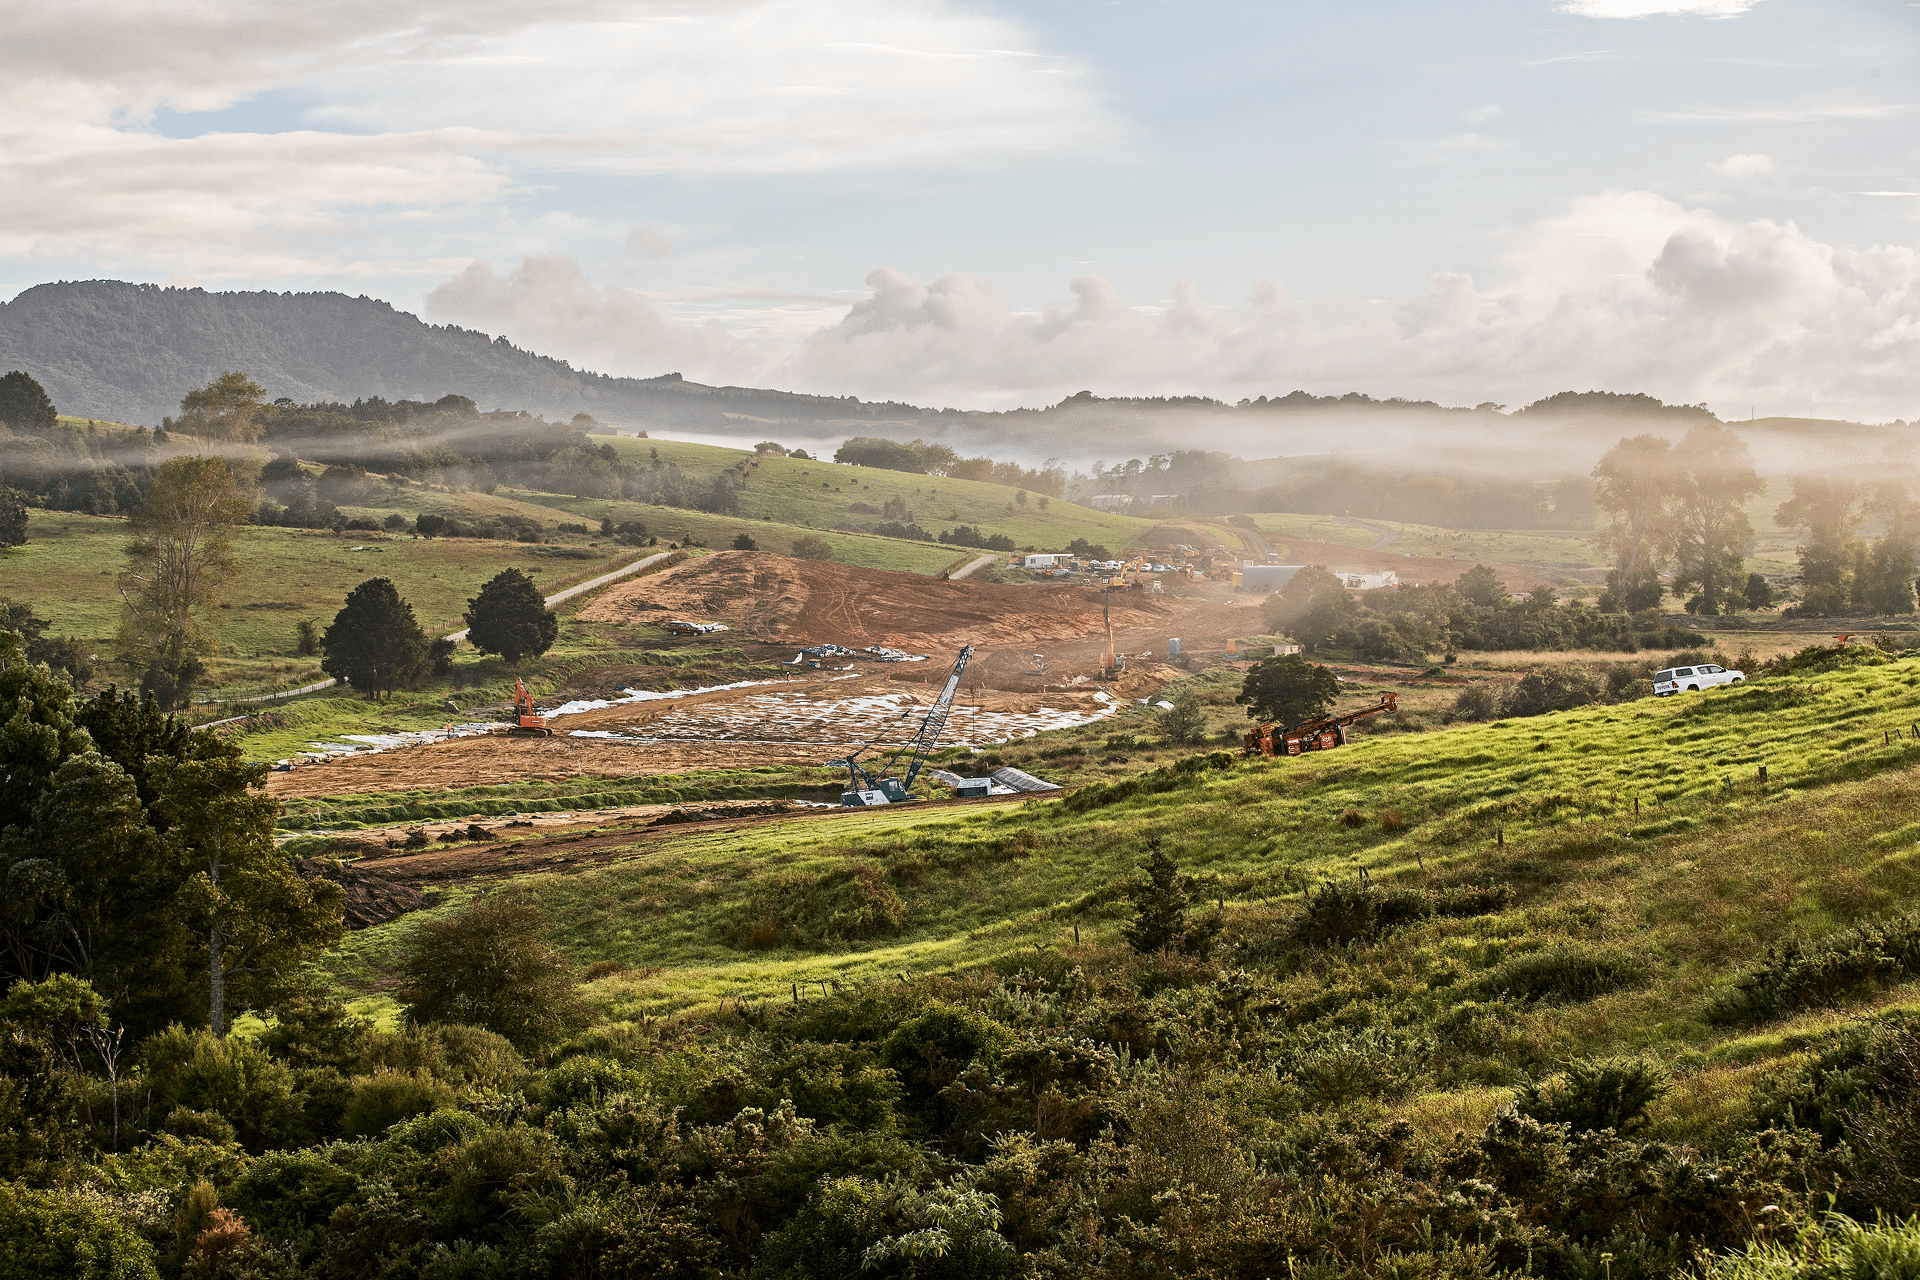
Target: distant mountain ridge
128 352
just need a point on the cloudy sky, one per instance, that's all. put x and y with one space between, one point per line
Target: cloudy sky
976 204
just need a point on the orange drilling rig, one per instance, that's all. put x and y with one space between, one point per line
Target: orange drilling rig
1322 733
528 722
1110 668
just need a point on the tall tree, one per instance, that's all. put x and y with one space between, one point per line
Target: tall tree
1713 479
180 554
1632 484
1884 584
24 404
226 409
13 518
1827 513
1288 689
374 644
510 617
1311 606
124 838
255 917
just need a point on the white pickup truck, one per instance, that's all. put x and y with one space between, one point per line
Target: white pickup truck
1693 679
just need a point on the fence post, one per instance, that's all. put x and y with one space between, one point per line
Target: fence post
1763 775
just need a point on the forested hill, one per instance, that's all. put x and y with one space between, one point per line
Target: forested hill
128 352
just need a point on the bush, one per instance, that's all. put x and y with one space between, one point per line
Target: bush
1476 702
1599 1093
489 966
1802 974
44 1234
808 547
1569 972
383 1100
1161 897
1559 688
195 1073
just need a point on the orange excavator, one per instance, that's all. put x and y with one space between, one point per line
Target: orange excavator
528 722
1322 733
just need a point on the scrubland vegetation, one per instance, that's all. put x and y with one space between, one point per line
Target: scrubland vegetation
1571 995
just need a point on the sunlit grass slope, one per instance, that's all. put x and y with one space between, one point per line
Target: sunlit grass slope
820 494
1671 899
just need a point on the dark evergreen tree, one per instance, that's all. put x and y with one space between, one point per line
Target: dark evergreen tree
510 617
24 404
1759 592
13 519
1288 689
374 643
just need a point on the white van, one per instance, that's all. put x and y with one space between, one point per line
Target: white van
1694 679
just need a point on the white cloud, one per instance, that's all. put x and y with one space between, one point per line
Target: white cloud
1657 8
742 85
1624 290
1748 164
420 105
1480 115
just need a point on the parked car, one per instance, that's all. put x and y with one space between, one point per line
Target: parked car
1694 679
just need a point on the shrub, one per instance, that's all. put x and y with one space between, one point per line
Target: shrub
383 1100
587 1082
489 966
196 1074
1802 974
1351 817
1185 722
808 547
1476 702
1569 972
1160 897
1560 688
60 1233
1392 821
1347 910
1598 1093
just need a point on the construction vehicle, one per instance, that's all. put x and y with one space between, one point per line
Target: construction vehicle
527 720
880 784
1321 733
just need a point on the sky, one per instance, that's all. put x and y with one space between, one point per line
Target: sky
986 205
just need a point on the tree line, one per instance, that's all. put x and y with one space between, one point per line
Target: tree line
1475 612
1677 523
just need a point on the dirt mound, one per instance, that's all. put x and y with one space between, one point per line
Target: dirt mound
371 898
772 597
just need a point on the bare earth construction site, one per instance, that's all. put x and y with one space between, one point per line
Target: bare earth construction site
776 605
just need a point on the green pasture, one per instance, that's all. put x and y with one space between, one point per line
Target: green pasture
820 495
68 571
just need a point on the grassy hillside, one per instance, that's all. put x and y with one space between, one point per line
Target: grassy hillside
1572 996
1474 800
820 494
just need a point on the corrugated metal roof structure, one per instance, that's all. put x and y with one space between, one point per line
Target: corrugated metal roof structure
1022 781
